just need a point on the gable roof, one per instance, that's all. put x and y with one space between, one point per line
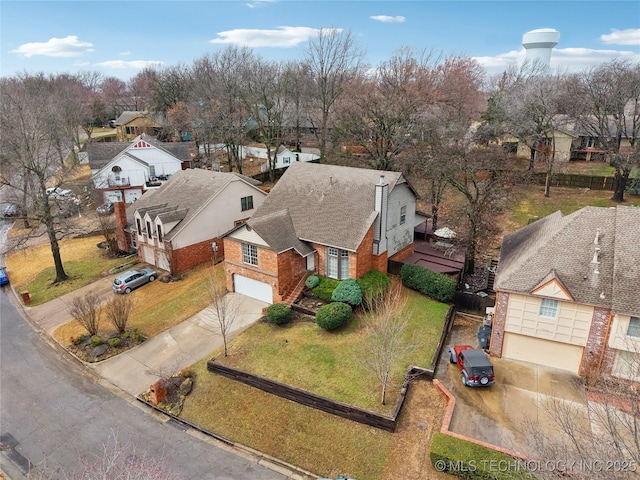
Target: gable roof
328 204
182 197
101 153
593 253
277 230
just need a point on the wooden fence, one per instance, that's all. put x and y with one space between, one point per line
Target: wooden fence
593 182
472 303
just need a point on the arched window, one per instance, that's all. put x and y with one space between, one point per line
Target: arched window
116 172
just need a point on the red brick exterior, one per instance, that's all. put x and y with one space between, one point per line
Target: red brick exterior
499 321
266 271
596 341
123 238
186 258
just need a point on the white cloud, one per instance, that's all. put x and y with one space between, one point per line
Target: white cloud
125 54
259 3
388 18
630 36
279 37
133 64
69 46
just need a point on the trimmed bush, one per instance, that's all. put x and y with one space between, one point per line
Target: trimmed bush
333 315
470 461
312 282
373 284
114 342
435 285
96 340
325 288
278 313
348 291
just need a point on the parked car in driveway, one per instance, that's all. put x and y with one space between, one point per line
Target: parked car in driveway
475 366
11 211
4 276
127 281
105 209
58 192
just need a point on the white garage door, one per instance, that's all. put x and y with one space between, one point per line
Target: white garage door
543 352
252 288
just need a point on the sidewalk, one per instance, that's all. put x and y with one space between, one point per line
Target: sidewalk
136 369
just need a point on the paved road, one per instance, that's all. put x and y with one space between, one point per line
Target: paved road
53 411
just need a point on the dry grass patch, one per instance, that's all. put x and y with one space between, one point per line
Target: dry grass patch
157 307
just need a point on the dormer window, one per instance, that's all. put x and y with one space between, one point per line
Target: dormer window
159 229
116 172
149 231
138 226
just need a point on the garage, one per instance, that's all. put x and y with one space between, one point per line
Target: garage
252 288
543 352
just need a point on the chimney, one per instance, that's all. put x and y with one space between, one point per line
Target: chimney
380 206
124 241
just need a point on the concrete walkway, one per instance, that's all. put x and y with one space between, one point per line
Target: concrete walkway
136 369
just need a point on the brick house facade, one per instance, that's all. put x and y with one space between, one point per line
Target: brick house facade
294 234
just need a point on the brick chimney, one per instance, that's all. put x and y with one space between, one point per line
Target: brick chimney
123 238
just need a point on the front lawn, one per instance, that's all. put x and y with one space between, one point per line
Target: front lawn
329 364
32 269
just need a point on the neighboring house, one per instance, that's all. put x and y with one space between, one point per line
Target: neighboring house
130 124
124 170
336 221
284 156
568 293
179 225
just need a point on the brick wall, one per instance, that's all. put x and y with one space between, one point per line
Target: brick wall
122 237
499 321
186 258
266 271
595 346
291 268
406 252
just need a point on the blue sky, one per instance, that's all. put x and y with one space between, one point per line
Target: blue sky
118 38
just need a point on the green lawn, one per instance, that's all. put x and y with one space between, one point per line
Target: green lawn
327 363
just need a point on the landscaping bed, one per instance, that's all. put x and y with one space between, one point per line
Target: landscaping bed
95 349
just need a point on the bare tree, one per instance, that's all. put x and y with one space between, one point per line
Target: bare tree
85 310
332 58
116 460
386 342
39 134
108 230
118 310
226 308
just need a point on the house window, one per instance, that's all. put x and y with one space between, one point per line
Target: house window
116 172
344 264
139 226
246 203
549 308
633 330
159 228
403 215
152 171
149 231
337 263
286 160
250 254
627 365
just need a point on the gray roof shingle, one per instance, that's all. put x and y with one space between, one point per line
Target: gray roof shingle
564 248
181 197
328 204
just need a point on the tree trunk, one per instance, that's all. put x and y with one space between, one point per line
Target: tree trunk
547 184
532 158
434 217
619 186
61 275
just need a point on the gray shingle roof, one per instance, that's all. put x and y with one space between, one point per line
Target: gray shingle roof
277 230
563 247
181 197
328 204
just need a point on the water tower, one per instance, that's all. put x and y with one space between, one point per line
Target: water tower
538 44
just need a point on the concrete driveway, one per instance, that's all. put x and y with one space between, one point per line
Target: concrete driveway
498 414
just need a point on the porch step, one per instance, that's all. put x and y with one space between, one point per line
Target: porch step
296 293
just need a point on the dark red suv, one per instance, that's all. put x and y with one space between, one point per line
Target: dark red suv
476 368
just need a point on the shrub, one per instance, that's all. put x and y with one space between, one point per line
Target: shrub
333 315
468 460
278 313
325 288
312 282
135 335
96 340
186 373
114 342
435 285
348 291
373 284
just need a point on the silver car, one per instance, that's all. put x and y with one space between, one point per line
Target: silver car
127 281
